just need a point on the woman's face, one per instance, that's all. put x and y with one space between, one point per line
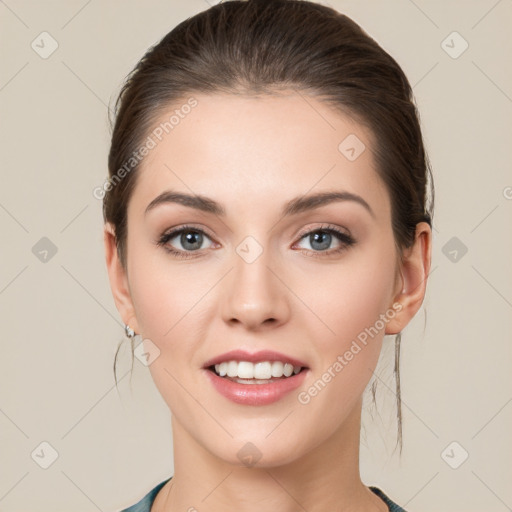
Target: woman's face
256 278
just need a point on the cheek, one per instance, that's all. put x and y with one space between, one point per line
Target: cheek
165 293
351 296
359 299
168 299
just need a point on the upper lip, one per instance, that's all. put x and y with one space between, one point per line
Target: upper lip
255 357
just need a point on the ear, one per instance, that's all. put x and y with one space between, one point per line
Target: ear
118 279
412 279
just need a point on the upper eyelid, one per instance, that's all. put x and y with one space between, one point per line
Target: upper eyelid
176 231
324 227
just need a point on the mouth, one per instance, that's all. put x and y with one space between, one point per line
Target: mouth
262 367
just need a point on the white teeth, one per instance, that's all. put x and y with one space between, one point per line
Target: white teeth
277 369
245 370
263 370
232 369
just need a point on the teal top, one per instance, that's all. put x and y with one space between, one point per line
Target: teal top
144 505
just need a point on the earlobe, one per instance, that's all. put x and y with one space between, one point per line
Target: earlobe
118 279
414 270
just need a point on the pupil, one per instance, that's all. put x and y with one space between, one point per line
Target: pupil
189 238
324 245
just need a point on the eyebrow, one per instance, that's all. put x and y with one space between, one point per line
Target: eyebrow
293 207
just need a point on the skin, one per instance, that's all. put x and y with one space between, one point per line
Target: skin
252 154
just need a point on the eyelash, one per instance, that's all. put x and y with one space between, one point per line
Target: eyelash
345 239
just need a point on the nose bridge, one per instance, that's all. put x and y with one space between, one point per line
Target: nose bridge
255 296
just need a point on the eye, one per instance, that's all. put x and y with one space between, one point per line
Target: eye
190 238
322 238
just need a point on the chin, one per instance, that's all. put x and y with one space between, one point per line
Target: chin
254 451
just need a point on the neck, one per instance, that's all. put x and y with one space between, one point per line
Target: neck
325 478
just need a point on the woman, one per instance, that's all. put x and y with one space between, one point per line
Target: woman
266 225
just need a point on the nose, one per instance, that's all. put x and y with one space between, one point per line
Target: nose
256 296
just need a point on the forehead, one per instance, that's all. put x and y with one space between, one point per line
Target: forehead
239 149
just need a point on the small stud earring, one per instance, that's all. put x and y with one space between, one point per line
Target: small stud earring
130 333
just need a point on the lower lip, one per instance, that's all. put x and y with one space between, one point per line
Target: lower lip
256 394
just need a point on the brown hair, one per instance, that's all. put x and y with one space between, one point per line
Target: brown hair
261 47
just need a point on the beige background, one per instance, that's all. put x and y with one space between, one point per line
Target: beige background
60 327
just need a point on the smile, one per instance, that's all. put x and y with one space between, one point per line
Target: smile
260 372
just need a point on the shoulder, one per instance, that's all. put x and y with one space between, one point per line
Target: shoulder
393 507
144 505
